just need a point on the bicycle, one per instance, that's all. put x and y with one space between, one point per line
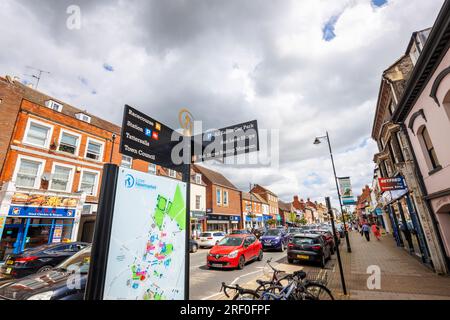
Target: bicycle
298 289
241 293
276 279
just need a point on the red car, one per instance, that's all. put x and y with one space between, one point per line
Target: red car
234 251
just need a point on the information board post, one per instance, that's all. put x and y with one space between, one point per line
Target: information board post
187 179
102 232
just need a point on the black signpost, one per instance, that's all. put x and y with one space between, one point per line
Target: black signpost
147 139
226 142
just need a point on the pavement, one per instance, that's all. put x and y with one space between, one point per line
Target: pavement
206 283
402 276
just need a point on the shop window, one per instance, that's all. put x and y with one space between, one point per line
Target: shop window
28 173
88 182
68 143
126 161
225 198
446 104
61 177
152 168
428 148
94 150
172 173
38 134
218 196
197 202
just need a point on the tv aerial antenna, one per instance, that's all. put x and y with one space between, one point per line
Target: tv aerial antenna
37 76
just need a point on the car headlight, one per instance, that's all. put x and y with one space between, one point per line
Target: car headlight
47 295
233 254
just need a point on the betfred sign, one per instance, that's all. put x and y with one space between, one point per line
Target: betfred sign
391 184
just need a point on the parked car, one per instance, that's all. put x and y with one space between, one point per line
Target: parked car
51 284
39 259
240 231
327 237
209 239
234 251
294 230
308 247
274 239
193 245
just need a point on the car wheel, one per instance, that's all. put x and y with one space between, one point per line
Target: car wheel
260 255
44 269
241 263
194 248
282 247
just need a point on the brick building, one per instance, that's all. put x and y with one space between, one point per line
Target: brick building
223 201
52 155
271 199
252 210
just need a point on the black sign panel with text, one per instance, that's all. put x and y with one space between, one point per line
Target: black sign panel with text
230 141
146 139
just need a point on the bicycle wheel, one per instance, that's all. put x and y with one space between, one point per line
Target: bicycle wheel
247 294
272 293
317 291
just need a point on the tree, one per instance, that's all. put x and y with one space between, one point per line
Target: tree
301 221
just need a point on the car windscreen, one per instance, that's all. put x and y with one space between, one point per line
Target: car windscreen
295 230
301 240
230 242
272 232
78 263
205 234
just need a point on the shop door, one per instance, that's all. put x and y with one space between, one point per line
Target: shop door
12 239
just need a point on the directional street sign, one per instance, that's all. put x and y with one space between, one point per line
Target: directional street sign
230 141
147 139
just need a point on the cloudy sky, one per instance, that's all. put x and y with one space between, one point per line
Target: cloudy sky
298 67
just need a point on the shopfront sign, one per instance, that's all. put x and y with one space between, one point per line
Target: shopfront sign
199 215
41 212
222 217
145 258
39 200
345 188
391 184
226 142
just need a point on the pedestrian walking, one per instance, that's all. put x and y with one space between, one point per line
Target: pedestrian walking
366 231
376 231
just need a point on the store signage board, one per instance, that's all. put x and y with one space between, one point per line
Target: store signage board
226 142
41 212
145 138
391 184
345 188
146 257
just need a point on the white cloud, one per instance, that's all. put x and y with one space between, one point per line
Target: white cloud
228 62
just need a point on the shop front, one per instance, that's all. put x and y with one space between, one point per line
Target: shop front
222 222
197 218
31 223
253 221
406 227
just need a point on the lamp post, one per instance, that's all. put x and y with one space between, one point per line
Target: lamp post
316 142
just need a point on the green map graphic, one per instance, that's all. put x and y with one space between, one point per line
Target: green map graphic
175 210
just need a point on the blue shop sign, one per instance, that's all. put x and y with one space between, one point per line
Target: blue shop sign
257 218
378 211
41 212
266 217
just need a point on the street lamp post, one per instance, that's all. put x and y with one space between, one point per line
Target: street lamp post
317 141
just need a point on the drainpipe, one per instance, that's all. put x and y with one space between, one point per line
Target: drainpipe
423 189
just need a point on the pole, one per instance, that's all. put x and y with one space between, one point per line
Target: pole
349 249
187 179
338 253
113 138
103 224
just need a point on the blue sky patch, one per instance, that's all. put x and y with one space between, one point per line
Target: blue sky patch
378 3
328 29
108 67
